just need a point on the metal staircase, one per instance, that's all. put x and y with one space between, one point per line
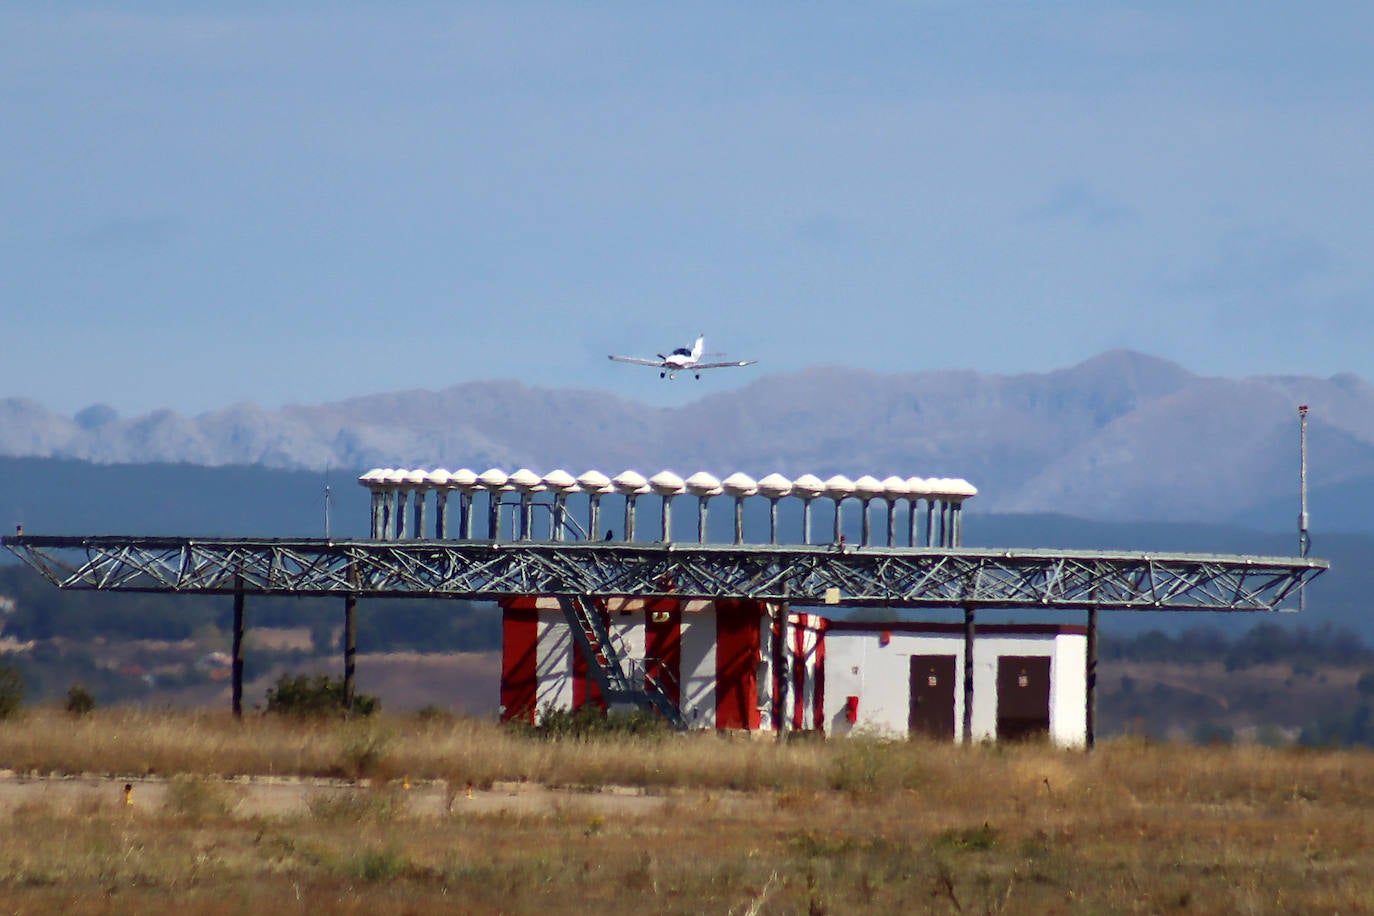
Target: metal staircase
620 678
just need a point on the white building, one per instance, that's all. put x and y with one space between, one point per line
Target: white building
734 665
898 678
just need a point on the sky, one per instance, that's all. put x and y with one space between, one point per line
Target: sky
210 203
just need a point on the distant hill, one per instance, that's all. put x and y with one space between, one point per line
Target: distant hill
1123 436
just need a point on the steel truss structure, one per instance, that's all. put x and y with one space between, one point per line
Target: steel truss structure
799 574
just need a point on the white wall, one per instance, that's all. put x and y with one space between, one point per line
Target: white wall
553 664
857 665
698 672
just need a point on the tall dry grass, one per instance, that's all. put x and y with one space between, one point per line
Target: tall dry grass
817 827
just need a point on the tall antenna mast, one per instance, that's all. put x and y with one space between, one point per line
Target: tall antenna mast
326 502
1304 539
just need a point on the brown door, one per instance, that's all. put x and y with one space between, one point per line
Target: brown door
932 696
1023 696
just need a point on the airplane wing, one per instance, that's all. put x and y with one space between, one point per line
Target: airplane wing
656 363
730 365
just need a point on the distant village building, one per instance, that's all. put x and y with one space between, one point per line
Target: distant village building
732 665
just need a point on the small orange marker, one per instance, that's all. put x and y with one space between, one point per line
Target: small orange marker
469 790
405 783
129 794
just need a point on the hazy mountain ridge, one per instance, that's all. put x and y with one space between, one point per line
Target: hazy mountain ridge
1122 435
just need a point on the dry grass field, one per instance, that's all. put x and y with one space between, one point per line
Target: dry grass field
318 817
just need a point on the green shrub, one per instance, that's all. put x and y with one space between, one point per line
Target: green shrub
316 695
11 691
80 701
590 722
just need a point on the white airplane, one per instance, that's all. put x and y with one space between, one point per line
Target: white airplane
683 360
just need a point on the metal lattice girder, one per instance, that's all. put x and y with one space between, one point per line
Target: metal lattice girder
800 574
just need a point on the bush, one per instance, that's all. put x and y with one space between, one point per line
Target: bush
590 722
11 691
80 701
317 695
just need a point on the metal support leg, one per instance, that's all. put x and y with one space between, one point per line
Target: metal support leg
1090 719
969 629
350 648
237 671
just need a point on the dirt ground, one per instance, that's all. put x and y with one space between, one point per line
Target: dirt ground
286 796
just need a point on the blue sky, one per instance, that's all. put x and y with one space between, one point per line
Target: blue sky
209 203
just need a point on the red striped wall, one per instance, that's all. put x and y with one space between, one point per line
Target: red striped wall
738 639
519 633
663 645
819 723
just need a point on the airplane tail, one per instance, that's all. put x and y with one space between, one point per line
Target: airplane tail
698 347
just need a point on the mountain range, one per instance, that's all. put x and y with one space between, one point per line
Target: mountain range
1122 436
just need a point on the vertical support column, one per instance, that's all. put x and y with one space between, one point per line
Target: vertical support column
772 521
911 523
419 500
866 524
891 523
782 671
441 514
388 514
494 514
739 519
969 633
237 649
377 513
806 521
839 522
667 519
930 519
526 515
350 643
1090 719
956 514
465 515
594 516
630 514
944 523
401 497
701 518
560 513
